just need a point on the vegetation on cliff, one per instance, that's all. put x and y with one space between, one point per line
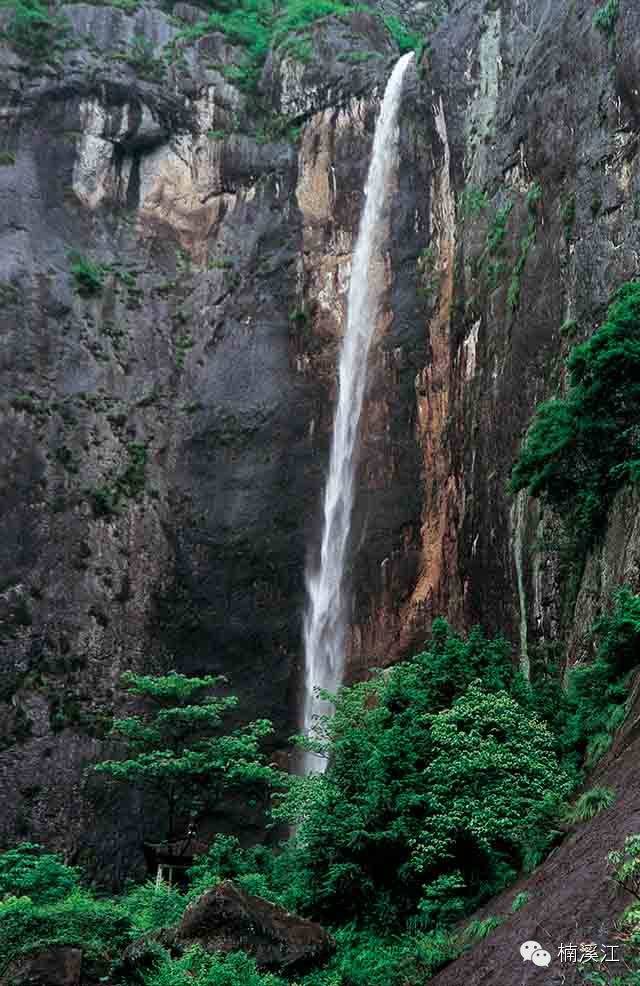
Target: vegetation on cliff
446 776
582 448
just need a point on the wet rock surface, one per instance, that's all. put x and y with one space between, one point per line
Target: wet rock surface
60 966
225 919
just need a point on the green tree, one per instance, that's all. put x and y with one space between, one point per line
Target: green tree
439 788
28 870
178 749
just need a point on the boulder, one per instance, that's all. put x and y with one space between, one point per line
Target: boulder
57 966
225 919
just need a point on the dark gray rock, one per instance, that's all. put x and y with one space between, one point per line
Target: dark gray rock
57 966
225 919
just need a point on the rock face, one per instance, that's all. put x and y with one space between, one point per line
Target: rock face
165 415
53 967
227 920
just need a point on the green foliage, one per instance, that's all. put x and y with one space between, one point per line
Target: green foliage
153 906
481 928
27 870
250 868
597 692
580 449
513 294
606 16
405 39
7 159
590 804
299 14
140 56
625 864
436 787
365 958
473 201
519 901
99 927
106 500
258 25
534 197
88 275
34 31
498 229
177 750
199 968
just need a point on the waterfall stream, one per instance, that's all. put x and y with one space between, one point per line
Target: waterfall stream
325 616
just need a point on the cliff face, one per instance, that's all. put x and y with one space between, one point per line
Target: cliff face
165 435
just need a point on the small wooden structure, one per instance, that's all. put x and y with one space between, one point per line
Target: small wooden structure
171 860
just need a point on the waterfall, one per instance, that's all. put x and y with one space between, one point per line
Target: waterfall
325 622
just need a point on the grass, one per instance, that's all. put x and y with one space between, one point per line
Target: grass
590 804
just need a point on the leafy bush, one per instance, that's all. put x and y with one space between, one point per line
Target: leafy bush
364 958
141 56
198 968
597 692
580 449
99 927
226 860
436 787
405 39
106 499
153 906
88 275
28 870
34 31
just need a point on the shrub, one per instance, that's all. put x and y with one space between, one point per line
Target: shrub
199 968
141 57
249 868
435 788
473 201
405 39
88 275
153 906
99 927
28 870
34 31
597 692
498 229
580 449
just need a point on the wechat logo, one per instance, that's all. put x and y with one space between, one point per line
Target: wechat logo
532 951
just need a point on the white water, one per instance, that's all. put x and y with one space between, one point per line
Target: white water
325 624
